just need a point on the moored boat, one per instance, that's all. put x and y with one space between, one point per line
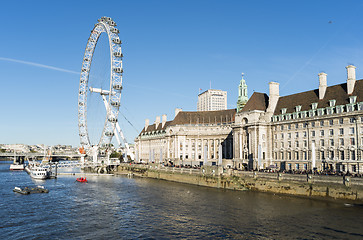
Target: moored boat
39 172
28 190
17 167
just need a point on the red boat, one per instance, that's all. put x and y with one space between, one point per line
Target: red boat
81 179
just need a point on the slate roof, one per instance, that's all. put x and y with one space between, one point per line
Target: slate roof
258 101
305 99
198 117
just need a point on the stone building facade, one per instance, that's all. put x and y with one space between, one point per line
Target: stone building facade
191 138
318 129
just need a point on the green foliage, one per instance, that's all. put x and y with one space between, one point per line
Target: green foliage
116 155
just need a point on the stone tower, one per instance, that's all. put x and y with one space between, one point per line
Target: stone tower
242 94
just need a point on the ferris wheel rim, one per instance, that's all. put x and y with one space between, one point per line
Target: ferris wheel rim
108 26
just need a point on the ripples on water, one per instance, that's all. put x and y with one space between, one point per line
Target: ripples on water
137 208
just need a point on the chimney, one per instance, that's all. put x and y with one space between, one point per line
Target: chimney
177 110
322 85
273 97
146 123
163 120
157 122
350 79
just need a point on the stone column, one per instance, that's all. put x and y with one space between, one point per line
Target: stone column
202 146
215 148
240 146
196 142
183 148
190 151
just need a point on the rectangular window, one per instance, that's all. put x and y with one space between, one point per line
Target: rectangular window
331 122
341 131
289 126
352 141
282 156
352 155
297 144
322 155
331 154
322 143
341 120
296 134
289 155
321 133
304 134
331 142
351 120
297 155
289 143
305 156
341 141
282 127
341 155
313 133
297 166
282 144
321 123
331 132
305 143
282 135
351 130
296 125
289 135
312 124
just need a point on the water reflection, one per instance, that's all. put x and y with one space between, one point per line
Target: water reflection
124 208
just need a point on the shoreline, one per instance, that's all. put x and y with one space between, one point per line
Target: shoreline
336 189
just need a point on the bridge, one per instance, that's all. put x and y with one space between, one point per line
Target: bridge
40 155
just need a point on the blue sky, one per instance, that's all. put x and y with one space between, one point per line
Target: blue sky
171 50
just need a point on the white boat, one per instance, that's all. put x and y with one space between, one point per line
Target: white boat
17 167
39 172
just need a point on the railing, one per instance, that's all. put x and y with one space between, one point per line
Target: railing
357 181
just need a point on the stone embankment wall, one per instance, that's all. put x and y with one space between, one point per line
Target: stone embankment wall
312 186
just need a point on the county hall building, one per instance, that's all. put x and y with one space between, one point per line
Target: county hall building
318 129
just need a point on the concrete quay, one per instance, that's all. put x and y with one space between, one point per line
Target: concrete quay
310 186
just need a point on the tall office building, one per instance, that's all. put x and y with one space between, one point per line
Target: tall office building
212 100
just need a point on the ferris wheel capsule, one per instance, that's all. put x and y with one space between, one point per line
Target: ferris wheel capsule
116 41
118 54
117 87
118 70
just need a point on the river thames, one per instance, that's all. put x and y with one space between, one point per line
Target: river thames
138 208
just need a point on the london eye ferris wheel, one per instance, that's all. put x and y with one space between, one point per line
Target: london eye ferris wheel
110 92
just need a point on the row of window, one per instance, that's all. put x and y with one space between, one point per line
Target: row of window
321 142
313 133
322 155
317 112
321 123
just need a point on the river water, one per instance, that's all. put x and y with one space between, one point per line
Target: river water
138 208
